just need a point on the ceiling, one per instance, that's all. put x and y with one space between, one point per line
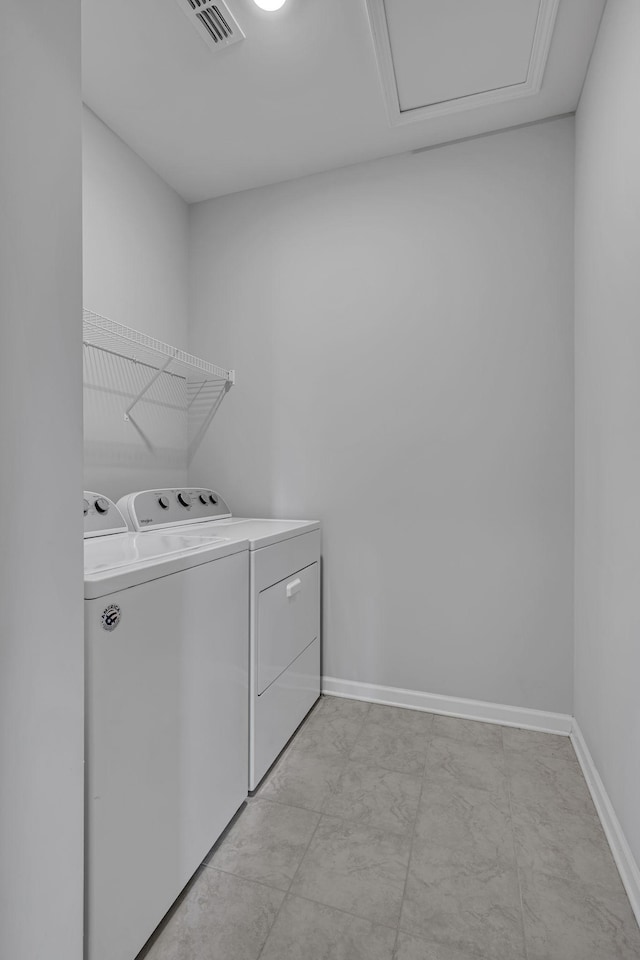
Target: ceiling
325 83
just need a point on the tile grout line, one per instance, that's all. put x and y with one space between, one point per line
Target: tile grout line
347 913
359 733
239 876
286 892
299 896
413 836
283 803
347 758
344 761
306 850
321 809
341 759
515 848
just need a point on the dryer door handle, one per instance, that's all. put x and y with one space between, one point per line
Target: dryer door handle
293 587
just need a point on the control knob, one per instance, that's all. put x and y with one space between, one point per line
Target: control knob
213 499
164 502
102 505
184 499
202 498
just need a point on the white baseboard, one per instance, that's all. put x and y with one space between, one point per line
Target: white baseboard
542 720
620 849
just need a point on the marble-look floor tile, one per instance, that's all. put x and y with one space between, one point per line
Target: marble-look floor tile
266 843
462 907
415 948
301 780
327 734
466 765
221 918
546 780
568 920
342 707
354 772
573 846
312 931
376 797
400 717
355 868
542 744
394 739
471 731
465 826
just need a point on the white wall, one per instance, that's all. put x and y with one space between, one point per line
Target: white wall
135 248
402 332
607 668
41 607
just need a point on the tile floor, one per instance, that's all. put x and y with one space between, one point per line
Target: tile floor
388 834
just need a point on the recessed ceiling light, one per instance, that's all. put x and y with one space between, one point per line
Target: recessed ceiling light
269 5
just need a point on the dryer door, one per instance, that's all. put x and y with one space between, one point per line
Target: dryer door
288 621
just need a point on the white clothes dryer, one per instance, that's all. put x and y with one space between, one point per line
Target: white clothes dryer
166 623
284 606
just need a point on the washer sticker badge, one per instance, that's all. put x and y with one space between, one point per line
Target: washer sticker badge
110 617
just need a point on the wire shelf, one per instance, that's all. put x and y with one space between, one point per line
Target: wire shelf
161 358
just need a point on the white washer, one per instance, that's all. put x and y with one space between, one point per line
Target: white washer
166 624
284 595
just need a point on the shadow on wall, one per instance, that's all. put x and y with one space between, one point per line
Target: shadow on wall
203 400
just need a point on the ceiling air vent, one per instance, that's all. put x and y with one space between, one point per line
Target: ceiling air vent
213 20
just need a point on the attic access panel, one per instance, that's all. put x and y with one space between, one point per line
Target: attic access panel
444 56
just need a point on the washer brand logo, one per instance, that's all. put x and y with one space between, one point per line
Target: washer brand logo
110 617
146 521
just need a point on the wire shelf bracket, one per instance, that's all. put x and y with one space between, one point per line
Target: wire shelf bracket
147 387
161 358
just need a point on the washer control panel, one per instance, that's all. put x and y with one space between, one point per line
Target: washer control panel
167 508
101 516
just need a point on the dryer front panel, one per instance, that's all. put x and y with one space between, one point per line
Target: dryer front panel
288 621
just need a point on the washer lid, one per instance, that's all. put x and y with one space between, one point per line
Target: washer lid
108 553
123 560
